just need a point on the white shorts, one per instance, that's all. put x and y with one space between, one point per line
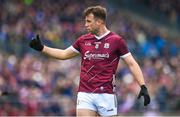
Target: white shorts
104 104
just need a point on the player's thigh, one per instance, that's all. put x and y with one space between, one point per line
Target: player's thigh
106 104
85 105
86 112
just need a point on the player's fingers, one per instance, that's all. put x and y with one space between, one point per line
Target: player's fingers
32 43
146 100
37 37
139 96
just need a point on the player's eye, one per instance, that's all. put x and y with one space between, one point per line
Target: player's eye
88 21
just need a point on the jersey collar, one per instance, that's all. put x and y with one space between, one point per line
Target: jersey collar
100 37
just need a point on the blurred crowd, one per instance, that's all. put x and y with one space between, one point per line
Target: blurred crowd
170 8
39 85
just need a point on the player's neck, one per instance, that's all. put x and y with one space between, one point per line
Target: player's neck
102 31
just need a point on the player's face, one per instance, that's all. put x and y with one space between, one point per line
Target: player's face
92 24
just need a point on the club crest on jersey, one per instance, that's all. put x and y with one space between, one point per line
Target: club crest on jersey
106 45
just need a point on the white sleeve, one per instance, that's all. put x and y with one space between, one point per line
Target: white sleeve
73 49
125 55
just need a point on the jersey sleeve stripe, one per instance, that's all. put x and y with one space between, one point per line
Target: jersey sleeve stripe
73 49
125 55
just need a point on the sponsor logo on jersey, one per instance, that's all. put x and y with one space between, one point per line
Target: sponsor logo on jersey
90 56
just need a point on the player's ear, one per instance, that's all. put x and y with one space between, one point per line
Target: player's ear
99 21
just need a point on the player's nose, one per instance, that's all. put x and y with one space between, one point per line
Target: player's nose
86 25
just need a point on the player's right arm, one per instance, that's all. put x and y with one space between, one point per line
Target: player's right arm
68 53
59 53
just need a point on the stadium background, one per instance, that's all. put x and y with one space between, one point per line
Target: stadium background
40 85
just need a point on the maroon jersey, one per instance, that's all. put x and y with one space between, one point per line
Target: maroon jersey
100 58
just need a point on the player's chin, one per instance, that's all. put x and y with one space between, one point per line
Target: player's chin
88 30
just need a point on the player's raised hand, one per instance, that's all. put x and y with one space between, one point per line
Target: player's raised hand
36 44
144 92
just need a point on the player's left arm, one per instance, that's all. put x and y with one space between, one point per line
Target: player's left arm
135 69
137 73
